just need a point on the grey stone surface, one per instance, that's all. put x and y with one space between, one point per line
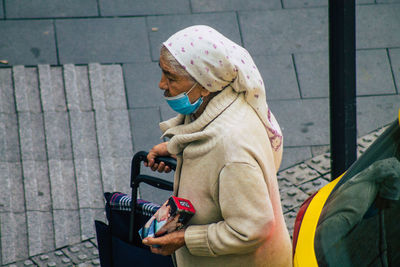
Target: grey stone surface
285 31
395 60
374 75
113 133
12 188
313 186
225 23
77 88
36 185
304 3
376 111
28 42
141 82
313 74
294 155
40 231
303 122
88 182
292 198
7 103
50 8
83 133
49 259
106 40
14 238
145 130
107 87
9 142
66 227
1 10
63 186
87 217
235 5
300 174
167 112
81 252
115 173
26 89
279 76
377 26
51 88
318 150
320 163
31 134
143 7
58 138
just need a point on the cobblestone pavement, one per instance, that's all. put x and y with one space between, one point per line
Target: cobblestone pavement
69 126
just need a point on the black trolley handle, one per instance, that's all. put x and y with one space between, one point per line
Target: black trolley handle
137 178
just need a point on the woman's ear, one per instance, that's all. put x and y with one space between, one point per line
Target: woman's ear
204 92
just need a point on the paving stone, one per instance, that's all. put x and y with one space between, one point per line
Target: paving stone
106 40
87 217
116 174
88 182
7 103
225 23
31 134
51 88
313 186
23 263
40 232
299 174
9 143
36 185
56 258
114 133
51 9
376 111
290 218
107 87
374 76
279 76
142 85
285 31
14 238
83 133
235 5
26 89
304 3
1 10
395 60
77 88
63 186
145 135
12 188
82 252
311 126
294 155
66 227
292 198
319 150
143 7
307 66
58 138
28 42
321 163
377 26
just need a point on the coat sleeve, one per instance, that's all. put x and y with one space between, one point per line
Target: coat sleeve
245 205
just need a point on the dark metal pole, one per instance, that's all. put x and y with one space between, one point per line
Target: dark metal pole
342 82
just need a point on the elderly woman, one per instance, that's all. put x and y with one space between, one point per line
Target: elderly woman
228 147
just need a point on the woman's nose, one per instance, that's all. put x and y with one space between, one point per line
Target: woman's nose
163 83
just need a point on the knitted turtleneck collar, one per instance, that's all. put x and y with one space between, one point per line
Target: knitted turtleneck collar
181 130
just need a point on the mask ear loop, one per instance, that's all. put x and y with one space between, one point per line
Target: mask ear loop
194 85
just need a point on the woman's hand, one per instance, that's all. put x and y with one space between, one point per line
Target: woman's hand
168 243
159 150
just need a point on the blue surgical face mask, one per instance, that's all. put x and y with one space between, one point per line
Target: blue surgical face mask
181 103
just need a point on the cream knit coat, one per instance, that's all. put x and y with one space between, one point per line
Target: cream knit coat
226 168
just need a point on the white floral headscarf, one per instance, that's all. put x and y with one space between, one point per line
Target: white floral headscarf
216 62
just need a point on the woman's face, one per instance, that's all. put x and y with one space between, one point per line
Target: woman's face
174 84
